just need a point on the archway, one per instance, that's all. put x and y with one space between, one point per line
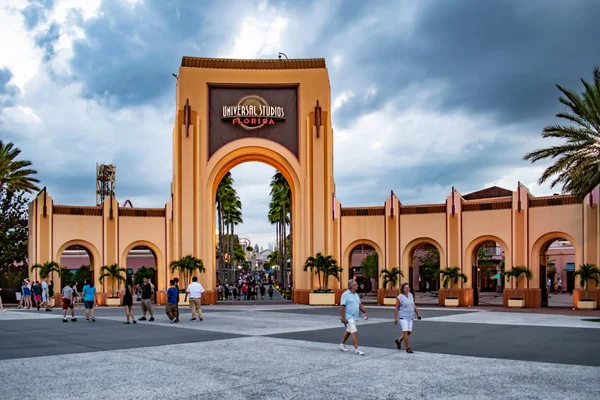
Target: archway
489 261
367 275
486 258
423 258
274 155
76 263
144 259
364 268
82 261
253 211
554 259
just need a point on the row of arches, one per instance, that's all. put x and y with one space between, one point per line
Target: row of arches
554 256
81 260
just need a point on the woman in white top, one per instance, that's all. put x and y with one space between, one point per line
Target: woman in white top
405 310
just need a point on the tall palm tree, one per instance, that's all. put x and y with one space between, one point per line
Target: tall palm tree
587 272
279 212
229 215
391 277
187 265
15 174
322 266
451 276
114 273
577 161
516 273
47 268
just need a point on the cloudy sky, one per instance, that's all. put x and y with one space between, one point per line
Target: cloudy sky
427 95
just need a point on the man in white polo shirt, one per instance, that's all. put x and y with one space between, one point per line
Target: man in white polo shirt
350 306
195 290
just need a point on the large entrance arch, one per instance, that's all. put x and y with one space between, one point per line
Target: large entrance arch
281 119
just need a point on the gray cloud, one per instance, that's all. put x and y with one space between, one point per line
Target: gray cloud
36 12
438 94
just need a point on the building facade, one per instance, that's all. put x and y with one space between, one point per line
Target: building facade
279 112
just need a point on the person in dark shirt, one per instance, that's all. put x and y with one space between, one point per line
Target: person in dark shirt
172 300
37 294
147 289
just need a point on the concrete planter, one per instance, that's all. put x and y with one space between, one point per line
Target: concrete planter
181 302
321 299
389 301
113 301
451 302
516 303
587 304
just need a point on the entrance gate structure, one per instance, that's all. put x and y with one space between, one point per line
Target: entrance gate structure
278 112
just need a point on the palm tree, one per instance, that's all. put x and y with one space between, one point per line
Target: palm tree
577 161
587 272
322 265
390 277
279 211
15 174
516 273
451 276
229 213
114 272
47 268
187 265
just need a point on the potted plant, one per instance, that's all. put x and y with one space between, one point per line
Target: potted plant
114 273
186 265
323 267
587 272
45 270
390 277
451 276
516 273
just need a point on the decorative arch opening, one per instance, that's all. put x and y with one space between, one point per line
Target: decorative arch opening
363 261
77 266
486 258
423 258
489 260
283 267
79 261
554 259
144 259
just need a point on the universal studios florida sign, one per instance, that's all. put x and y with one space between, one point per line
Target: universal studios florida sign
253 112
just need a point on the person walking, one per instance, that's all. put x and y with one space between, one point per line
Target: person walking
36 289
271 292
559 285
172 300
1 306
195 290
262 292
46 295
350 305
67 302
127 293
404 313
147 290
89 297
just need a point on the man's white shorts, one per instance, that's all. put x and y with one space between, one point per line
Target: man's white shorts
406 325
351 326
45 297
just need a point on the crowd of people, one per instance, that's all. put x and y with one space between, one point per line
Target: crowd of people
247 286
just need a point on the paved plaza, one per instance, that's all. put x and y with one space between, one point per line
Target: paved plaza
290 352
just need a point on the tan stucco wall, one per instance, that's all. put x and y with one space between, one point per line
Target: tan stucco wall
187 225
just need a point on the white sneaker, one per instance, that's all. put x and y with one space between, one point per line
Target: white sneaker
358 352
343 348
